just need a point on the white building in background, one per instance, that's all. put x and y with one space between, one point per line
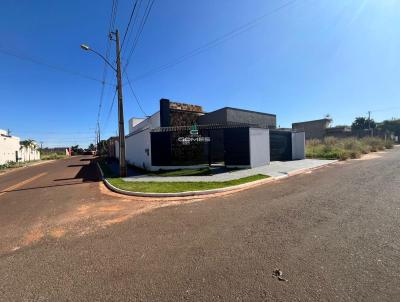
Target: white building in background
12 151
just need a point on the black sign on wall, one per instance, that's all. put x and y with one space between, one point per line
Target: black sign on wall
237 146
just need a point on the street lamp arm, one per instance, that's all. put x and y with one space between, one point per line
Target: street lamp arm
105 60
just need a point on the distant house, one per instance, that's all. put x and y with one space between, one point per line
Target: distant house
318 129
12 151
313 129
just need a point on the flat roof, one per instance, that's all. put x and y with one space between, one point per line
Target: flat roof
312 121
243 110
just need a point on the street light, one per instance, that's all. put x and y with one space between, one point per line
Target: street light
87 48
122 162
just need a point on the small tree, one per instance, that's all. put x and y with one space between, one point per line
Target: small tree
361 123
28 144
92 147
391 126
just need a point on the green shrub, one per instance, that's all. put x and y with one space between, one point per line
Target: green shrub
375 143
313 142
335 148
50 156
330 141
389 144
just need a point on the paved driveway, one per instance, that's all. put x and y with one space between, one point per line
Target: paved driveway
334 233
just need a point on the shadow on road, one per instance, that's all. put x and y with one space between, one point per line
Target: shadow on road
88 172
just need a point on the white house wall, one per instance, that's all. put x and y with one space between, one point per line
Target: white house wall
138 149
8 148
259 147
298 145
28 154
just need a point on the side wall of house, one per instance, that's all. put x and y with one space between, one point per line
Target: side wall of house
8 148
313 129
138 149
259 147
298 145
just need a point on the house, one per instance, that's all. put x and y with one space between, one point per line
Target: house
182 135
12 151
315 129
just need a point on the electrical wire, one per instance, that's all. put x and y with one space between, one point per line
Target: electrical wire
54 67
134 94
142 24
114 9
109 112
215 42
129 23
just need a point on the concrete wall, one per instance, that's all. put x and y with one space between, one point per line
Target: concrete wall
133 122
251 117
11 150
138 149
313 129
137 143
298 145
28 154
149 123
234 115
259 147
9 145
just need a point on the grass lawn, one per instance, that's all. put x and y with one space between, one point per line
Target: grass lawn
183 172
175 187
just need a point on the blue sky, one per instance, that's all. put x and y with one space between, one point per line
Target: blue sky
302 62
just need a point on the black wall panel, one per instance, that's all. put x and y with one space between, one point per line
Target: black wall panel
237 146
280 145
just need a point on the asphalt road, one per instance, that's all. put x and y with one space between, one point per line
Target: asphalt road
334 233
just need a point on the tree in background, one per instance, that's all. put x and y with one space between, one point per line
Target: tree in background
102 148
361 123
28 144
92 147
391 126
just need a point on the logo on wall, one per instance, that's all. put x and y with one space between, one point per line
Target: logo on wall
194 137
194 130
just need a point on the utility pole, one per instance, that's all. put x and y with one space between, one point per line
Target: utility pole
121 129
369 123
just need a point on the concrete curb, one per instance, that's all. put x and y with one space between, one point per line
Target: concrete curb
205 192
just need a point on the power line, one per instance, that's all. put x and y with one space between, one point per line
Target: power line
216 42
134 94
129 23
114 9
140 30
54 67
109 111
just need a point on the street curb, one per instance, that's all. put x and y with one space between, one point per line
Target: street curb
188 193
205 192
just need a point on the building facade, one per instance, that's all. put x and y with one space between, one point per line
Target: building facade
182 135
12 151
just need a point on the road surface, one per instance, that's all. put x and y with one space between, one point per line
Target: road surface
334 233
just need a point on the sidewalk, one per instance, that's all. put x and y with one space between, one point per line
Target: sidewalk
275 169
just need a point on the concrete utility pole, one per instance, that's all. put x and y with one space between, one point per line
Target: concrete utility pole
369 123
121 127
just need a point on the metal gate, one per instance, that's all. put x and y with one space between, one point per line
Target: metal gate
280 145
